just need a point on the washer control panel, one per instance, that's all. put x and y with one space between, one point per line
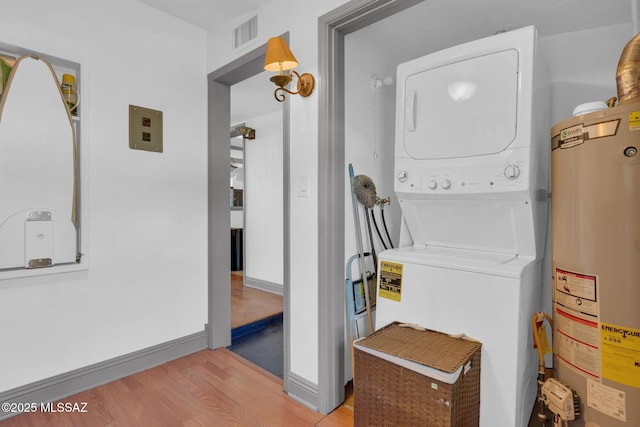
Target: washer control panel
509 175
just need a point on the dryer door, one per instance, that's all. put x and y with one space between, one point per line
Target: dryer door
464 108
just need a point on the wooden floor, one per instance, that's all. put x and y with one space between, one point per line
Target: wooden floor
207 388
249 304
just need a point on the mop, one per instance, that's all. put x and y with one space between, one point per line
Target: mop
365 191
361 189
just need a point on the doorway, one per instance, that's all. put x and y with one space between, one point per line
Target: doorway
333 27
256 224
219 84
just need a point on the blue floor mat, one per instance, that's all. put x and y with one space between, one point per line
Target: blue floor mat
261 343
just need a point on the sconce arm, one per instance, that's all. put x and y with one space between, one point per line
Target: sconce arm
305 85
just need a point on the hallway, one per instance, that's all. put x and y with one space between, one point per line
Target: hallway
249 304
257 322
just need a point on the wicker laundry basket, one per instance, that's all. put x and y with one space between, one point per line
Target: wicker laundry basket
409 377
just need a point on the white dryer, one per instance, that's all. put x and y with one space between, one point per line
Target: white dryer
472 177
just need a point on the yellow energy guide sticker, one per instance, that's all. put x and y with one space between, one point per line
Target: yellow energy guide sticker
634 120
620 350
390 280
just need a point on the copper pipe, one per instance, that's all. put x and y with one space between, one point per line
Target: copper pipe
628 72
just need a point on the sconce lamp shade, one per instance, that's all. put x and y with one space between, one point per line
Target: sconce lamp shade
279 56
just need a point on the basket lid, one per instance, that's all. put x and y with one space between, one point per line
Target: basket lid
426 347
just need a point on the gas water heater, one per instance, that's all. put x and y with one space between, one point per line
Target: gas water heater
596 262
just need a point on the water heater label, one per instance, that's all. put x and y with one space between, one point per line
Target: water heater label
578 134
607 400
390 280
577 291
620 354
576 320
577 343
572 136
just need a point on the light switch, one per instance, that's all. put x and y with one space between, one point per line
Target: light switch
303 185
145 129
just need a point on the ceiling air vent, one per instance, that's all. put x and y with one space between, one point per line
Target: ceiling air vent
245 32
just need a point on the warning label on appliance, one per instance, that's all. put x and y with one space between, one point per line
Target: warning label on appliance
390 280
577 343
577 291
620 354
576 320
606 400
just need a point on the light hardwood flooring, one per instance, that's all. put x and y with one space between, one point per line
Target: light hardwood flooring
249 304
207 388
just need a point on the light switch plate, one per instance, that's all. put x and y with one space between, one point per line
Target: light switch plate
303 185
145 129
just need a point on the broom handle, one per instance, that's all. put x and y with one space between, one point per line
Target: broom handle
363 274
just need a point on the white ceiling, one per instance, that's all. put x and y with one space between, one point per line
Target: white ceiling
437 24
206 13
439 16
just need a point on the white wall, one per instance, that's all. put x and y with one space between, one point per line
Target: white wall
263 224
303 31
583 66
369 146
146 212
369 131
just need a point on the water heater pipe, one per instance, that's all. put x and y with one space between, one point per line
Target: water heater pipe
628 71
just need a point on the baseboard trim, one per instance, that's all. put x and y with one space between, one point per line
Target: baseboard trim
303 391
263 285
64 385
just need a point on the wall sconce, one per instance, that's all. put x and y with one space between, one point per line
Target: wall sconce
246 132
279 58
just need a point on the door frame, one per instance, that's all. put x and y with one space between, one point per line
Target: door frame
332 28
219 84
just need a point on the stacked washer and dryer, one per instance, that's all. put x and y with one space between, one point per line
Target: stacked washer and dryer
472 179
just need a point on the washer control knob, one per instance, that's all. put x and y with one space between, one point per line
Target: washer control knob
512 172
446 184
403 176
432 184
